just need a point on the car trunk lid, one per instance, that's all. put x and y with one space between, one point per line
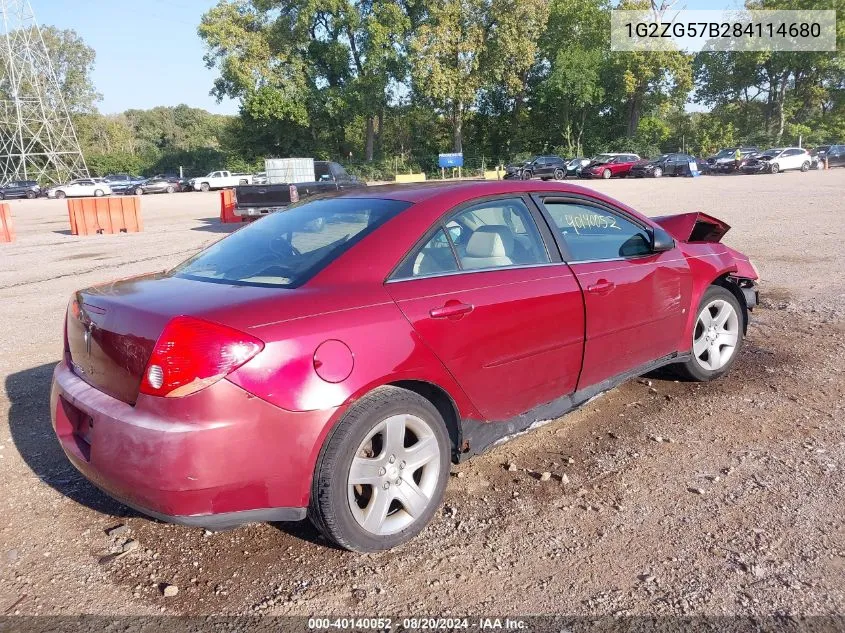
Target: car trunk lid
694 227
112 329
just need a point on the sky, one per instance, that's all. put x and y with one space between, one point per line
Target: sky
148 51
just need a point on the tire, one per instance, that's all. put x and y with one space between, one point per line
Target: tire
606 174
171 189
60 194
2 196
205 187
658 172
30 195
526 175
139 191
775 168
559 174
335 507
701 367
805 166
98 193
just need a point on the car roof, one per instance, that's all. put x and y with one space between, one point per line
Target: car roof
463 191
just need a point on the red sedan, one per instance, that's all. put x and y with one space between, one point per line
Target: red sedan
333 359
610 166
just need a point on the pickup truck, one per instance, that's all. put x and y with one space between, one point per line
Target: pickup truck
253 201
219 180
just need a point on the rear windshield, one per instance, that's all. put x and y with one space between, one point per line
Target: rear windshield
289 247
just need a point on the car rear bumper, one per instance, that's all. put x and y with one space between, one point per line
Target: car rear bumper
216 458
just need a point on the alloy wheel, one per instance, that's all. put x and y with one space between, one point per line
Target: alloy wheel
658 172
606 174
394 474
716 335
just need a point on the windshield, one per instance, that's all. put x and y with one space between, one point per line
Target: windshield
287 248
726 153
604 158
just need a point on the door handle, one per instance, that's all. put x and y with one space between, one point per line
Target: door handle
453 309
601 287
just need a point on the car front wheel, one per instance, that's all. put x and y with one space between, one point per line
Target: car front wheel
775 168
658 172
716 337
204 187
606 174
526 175
382 472
805 166
60 194
559 174
139 191
98 193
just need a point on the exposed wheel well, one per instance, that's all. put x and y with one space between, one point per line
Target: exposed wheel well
736 291
444 404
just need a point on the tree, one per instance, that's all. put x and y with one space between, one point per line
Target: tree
310 63
72 60
448 61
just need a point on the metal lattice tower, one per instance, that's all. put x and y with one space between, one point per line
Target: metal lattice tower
37 139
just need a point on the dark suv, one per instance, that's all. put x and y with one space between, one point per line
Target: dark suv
835 155
543 167
20 189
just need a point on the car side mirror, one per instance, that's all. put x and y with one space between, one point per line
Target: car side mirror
661 241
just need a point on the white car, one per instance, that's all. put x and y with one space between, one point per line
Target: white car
786 158
80 188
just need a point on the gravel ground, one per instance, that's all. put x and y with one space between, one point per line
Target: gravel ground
665 498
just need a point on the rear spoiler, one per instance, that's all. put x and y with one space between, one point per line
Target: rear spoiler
693 227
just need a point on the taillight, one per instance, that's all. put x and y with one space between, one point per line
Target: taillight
294 193
192 354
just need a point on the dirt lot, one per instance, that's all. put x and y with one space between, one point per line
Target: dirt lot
666 497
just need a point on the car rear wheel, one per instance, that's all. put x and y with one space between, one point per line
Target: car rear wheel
775 168
717 335
60 194
805 166
658 172
606 174
382 472
204 187
559 174
98 193
171 189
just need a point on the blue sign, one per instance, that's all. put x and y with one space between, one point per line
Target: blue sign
450 160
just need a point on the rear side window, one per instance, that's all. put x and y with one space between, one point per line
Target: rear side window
287 248
591 233
434 258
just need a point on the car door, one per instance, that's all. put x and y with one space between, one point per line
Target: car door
635 300
487 292
836 156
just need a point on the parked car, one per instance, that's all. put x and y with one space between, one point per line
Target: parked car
724 162
282 373
20 189
253 201
219 180
664 165
835 155
542 167
79 188
119 183
779 159
574 166
157 184
609 166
